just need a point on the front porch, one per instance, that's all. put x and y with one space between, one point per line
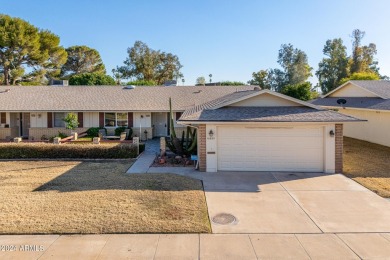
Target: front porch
43 125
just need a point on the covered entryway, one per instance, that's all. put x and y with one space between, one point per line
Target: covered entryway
24 124
160 124
248 148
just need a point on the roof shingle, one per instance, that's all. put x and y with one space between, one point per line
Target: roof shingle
108 98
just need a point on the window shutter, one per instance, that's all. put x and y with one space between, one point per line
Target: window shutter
130 119
80 118
49 120
3 119
101 119
178 115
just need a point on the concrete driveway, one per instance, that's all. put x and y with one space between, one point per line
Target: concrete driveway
264 202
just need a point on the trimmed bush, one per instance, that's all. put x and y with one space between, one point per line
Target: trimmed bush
52 151
94 131
119 130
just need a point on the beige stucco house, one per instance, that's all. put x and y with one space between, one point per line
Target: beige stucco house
261 130
365 99
239 128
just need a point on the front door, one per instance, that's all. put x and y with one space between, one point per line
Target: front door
160 124
25 124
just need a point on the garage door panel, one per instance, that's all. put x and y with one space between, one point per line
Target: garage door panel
270 149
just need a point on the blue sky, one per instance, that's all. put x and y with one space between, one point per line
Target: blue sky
229 39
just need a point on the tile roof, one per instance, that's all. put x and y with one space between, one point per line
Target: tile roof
215 111
354 102
109 98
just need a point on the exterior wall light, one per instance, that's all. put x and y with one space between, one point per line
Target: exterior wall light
211 133
331 133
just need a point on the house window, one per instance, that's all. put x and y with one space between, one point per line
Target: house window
59 119
115 119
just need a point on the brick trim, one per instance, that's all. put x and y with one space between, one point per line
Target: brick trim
339 148
202 148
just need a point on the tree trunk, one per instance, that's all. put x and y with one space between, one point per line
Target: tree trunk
6 76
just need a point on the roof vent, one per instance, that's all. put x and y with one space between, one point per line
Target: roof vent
257 88
129 87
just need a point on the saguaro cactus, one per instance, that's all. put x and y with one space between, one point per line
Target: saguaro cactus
188 142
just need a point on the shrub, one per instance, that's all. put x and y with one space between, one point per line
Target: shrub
94 131
52 151
62 135
119 130
130 133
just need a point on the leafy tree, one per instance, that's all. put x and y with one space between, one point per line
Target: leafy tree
261 79
24 45
295 70
71 121
295 65
144 63
91 79
361 76
300 91
142 83
200 81
334 67
232 83
362 59
82 59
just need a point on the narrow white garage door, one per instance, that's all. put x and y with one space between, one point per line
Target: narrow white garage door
270 149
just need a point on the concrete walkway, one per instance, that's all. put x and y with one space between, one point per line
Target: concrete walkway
197 246
144 162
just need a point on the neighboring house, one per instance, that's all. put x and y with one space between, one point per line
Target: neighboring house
261 130
37 112
365 99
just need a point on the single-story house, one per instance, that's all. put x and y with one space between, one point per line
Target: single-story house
261 130
37 111
239 128
365 99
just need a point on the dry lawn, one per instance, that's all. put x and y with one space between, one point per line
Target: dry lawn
97 197
368 164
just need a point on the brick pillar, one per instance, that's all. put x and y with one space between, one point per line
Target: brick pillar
202 148
339 148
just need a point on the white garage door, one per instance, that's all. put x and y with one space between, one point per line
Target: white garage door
270 149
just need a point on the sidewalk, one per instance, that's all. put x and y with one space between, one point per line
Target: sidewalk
198 246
